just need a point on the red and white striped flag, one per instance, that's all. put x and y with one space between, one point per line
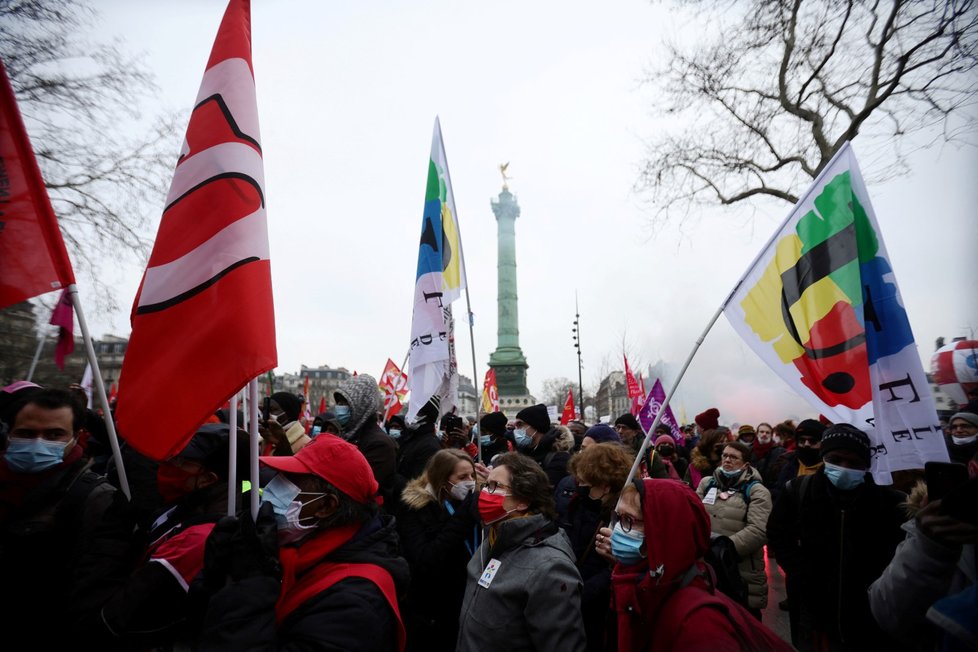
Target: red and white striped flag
204 308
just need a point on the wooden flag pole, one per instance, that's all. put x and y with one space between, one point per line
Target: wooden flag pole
100 389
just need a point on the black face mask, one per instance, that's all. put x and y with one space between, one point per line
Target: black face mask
584 496
666 451
807 456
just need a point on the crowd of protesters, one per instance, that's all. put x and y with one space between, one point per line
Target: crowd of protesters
444 533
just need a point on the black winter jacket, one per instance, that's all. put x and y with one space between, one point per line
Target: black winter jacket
352 615
438 545
832 545
553 463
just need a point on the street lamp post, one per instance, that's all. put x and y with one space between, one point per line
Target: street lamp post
577 345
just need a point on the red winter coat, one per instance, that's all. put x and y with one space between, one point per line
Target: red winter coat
656 604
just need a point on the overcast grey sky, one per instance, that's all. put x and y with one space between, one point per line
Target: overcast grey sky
348 92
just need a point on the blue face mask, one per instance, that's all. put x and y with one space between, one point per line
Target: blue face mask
34 455
316 430
394 433
626 547
342 414
485 440
522 439
731 474
843 478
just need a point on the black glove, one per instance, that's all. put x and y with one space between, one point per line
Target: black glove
254 546
217 554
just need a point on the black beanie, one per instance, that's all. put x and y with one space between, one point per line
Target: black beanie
843 436
290 404
810 428
629 421
493 423
535 416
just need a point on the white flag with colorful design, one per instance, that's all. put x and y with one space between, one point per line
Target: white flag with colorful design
439 281
821 307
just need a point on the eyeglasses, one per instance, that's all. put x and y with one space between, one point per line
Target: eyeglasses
492 486
627 521
733 458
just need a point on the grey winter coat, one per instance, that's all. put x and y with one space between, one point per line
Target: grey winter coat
533 601
745 524
921 572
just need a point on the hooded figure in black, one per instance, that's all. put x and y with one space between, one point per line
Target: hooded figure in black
357 404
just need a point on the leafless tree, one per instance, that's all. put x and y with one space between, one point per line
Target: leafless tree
105 164
766 91
555 391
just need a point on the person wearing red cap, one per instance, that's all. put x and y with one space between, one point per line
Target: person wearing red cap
319 564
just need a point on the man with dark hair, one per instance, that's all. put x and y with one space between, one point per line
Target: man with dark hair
157 605
804 459
283 430
65 534
834 532
493 436
524 589
318 568
534 422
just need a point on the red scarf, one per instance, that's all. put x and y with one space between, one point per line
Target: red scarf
760 450
296 560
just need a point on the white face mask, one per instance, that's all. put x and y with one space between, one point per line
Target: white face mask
461 490
282 494
961 441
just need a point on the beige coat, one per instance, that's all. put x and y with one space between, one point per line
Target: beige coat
746 525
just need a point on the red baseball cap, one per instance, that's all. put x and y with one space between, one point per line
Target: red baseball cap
336 461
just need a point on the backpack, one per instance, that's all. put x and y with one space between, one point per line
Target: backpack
744 489
723 559
752 635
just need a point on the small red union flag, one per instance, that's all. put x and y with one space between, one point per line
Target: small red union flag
569 412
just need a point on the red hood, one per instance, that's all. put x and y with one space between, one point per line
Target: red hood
677 533
677 528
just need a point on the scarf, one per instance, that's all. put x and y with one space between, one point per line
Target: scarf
297 560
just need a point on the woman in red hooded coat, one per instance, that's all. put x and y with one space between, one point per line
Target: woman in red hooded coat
662 593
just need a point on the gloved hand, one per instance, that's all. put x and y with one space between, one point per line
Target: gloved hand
254 546
217 554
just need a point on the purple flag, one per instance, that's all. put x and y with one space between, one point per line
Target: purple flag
651 408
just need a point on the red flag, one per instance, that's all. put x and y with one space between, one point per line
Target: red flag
33 258
569 412
633 388
64 318
639 401
113 393
322 404
393 382
204 307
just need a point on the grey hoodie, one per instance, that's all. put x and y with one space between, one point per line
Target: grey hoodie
363 395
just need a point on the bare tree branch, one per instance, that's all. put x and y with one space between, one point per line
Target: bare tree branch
773 88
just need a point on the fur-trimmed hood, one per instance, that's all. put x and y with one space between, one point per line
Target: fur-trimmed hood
701 462
916 500
418 494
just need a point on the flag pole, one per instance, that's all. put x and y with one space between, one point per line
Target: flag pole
468 300
232 451
37 354
100 389
253 443
671 391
